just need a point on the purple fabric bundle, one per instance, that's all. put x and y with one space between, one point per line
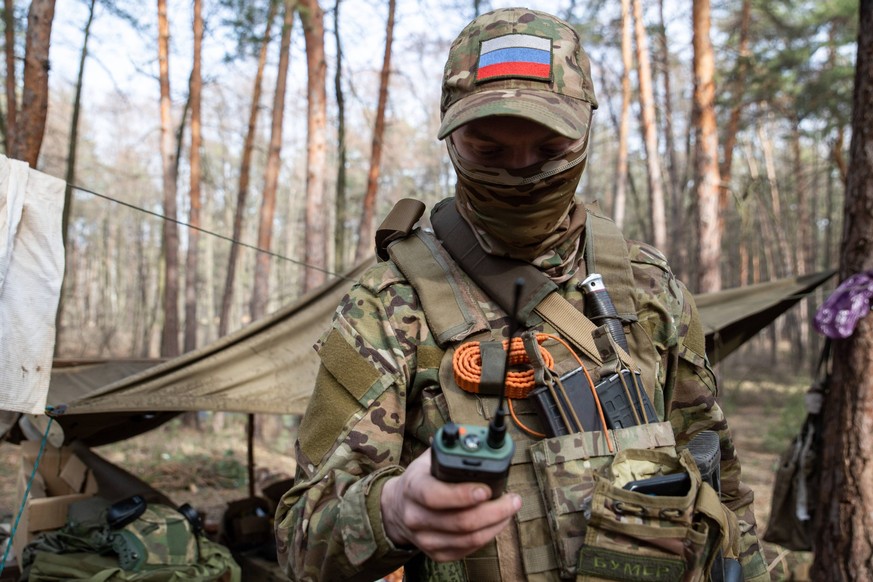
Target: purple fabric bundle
847 305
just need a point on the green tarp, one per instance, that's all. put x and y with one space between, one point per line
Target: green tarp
269 366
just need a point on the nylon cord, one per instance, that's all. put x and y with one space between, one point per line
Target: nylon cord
209 232
27 490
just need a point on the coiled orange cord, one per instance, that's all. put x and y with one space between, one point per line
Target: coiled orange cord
467 366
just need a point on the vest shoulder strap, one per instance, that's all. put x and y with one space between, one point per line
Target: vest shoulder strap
398 224
606 252
450 305
437 269
494 275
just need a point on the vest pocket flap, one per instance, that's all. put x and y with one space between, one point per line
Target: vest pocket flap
655 435
579 446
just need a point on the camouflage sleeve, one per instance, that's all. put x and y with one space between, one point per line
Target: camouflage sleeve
690 390
328 525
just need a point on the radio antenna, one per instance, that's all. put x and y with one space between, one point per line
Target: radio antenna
497 426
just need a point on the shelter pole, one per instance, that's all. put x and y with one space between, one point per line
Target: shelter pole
250 435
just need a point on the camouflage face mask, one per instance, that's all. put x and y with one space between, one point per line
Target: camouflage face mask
521 213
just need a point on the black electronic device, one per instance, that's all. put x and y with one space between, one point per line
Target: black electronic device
193 517
672 485
463 453
123 512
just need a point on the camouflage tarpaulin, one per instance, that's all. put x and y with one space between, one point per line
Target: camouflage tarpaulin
732 317
270 367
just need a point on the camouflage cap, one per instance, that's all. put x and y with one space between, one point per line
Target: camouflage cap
522 63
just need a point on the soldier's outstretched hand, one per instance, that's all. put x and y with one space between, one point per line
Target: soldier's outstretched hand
446 521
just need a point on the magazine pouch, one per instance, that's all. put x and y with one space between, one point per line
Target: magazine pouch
658 536
602 531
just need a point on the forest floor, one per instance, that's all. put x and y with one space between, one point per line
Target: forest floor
207 468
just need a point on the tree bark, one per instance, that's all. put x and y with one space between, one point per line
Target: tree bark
837 144
365 238
843 545
674 189
260 293
339 252
312 17
803 242
192 285
650 137
244 173
11 96
30 125
70 176
738 90
765 224
706 177
170 330
774 209
620 194
837 155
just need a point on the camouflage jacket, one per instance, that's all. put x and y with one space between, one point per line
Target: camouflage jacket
377 403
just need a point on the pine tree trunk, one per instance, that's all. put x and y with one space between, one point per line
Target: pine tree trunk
675 199
365 239
30 124
70 176
244 173
312 17
261 291
170 331
843 543
775 206
650 137
706 177
11 96
620 195
738 90
803 239
837 144
192 286
764 222
340 203
837 155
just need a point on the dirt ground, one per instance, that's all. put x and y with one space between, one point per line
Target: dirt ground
207 467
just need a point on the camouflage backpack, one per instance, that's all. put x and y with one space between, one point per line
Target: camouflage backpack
159 545
161 536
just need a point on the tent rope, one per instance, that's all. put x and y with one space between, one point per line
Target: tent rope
209 232
48 410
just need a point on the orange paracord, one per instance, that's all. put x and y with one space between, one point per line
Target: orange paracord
467 365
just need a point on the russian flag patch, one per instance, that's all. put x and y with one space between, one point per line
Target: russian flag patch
515 55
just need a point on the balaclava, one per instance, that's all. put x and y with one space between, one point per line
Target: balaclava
529 64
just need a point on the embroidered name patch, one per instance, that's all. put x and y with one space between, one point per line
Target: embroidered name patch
515 55
613 565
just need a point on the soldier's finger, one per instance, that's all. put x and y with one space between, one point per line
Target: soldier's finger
424 489
465 521
443 547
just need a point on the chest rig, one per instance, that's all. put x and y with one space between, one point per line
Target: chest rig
565 529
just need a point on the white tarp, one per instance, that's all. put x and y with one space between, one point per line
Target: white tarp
31 272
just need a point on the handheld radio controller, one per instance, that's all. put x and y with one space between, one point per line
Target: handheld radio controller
470 453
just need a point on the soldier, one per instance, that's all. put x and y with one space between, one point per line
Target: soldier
516 109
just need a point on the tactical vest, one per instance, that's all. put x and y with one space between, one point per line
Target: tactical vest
574 524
